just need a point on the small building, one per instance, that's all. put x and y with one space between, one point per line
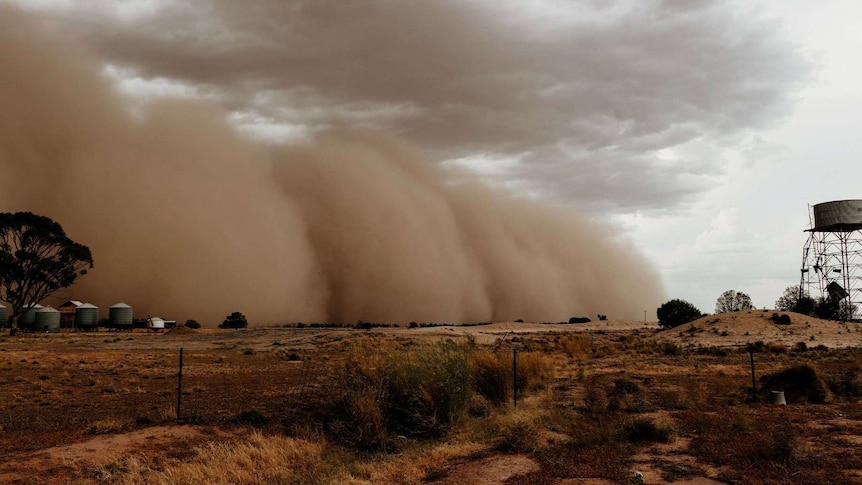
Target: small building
67 313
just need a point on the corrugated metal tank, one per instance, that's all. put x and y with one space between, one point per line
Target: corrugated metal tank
47 320
86 315
4 316
120 315
28 319
156 323
838 215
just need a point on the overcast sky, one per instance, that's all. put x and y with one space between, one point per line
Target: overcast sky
702 128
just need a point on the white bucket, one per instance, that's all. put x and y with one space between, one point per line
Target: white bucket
777 397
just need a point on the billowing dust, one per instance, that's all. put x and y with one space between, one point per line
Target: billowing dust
186 218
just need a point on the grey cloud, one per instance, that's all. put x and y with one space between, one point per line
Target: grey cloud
461 77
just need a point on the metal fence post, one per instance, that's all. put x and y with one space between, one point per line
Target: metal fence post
180 386
753 381
514 377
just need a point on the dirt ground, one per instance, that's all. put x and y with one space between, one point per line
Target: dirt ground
74 403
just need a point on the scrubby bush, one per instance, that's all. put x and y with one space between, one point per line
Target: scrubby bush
575 344
519 436
193 324
492 374
623 387
801 384
783 319
580 320
677 312
643 430
252 417
388 393
847 384
670 348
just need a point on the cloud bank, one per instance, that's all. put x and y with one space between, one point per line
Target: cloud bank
615 106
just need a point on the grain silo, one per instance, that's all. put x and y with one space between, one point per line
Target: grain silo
120 316
4 317
86 316
28 319
47 320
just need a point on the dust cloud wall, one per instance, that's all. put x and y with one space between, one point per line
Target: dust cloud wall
187 219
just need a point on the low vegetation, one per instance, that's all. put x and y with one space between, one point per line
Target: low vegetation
377 407
677 312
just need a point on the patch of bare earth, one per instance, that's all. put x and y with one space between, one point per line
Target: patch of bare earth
59 463
493 470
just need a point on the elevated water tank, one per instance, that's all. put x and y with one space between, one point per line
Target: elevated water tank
47 320
28 319
86 315
838 216
4 317
120 316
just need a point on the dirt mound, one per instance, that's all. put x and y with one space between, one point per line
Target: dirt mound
768 326
182 330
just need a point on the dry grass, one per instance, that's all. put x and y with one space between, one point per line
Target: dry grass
589 406
257 459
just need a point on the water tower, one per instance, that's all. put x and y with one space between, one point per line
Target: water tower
832 256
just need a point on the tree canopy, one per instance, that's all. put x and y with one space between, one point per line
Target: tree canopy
234 320
677 312
36 259
796 300
733 301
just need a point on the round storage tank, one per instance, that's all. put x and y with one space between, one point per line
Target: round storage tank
4 317
47 320
28 319
86 315
120 316
156 323
838 215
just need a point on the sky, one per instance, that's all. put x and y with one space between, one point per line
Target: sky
701 130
